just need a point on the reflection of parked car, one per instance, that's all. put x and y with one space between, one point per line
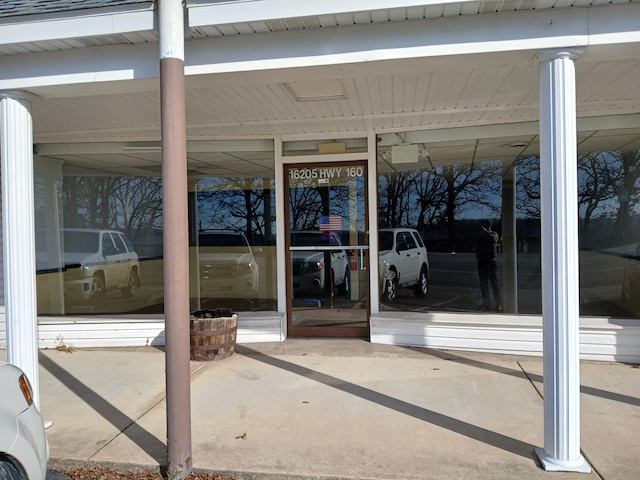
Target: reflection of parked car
309 269
228 267
631 281
403 262
97 261
24 450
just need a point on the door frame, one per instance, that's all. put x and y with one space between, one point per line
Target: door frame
371 219
323 331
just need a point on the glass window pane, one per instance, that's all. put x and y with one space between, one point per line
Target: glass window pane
439 202
608 194
234 258
445 197
77 274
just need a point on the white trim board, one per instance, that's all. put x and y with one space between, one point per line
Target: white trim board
602 339
85 332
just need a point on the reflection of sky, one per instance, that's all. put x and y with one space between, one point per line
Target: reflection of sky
221 203
599 176
345 200
478 192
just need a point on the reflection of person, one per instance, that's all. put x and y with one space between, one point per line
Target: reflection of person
487 266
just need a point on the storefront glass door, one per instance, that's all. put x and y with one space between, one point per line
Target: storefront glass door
327 249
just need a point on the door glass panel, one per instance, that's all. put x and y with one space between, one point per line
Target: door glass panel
327 249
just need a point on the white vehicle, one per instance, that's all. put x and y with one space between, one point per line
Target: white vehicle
228 268
309 266
97 261
403 262
24 450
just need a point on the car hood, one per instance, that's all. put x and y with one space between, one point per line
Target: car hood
309 256
72 258
219 257
384 254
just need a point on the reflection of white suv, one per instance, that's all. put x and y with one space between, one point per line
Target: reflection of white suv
403 262
309 269
228 268
97 261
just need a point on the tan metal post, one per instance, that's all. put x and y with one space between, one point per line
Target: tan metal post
175 236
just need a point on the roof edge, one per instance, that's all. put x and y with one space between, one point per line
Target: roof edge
78 23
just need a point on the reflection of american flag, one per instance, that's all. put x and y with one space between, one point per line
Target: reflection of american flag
330 223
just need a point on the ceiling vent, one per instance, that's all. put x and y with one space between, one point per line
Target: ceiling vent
316 90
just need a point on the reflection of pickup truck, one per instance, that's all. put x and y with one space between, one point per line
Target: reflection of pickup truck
228 268
97 261
309 266
403 262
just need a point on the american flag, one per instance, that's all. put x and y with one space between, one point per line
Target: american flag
330 223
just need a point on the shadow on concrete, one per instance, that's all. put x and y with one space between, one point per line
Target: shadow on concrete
127 426
596 392
474 432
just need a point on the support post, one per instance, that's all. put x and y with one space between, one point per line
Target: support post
16 142
509 239
560 279
175 237
52 300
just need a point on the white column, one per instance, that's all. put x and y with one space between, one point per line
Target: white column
560 279
16 143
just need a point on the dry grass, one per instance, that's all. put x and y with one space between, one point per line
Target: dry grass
97 473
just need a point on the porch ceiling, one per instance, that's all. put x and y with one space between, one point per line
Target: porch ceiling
391 96
432 94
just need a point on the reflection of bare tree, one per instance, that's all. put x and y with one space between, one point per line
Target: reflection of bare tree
528 187
308 202
599 173
609 188
429 189
86 201
628 192
339 200
233 203
139 201
395 195
303 205
130 204
469 185
421 198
